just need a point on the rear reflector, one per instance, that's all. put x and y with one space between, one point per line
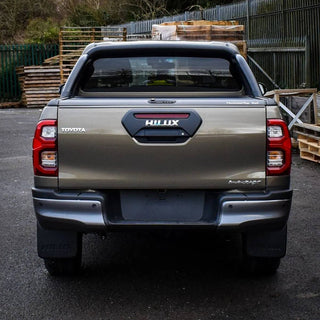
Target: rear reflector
275 158
49 159
161 115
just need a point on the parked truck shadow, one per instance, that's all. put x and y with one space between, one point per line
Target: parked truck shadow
157 252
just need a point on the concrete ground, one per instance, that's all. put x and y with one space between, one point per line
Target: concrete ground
149 276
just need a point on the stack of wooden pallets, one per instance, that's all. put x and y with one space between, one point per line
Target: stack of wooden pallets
39 84
72 41
309 141
202 30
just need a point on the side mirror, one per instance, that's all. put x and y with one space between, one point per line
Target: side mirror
61 88
262 88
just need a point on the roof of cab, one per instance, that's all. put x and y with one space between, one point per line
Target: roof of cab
100 47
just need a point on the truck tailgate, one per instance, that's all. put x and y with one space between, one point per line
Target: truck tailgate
227 151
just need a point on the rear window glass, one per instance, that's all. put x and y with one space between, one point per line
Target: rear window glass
159 74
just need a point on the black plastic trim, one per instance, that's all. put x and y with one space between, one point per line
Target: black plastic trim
216 206
138 129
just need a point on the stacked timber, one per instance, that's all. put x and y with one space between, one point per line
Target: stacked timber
20 74
73 40
202 30
309 141
39 84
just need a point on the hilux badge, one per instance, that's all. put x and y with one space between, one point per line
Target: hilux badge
162 123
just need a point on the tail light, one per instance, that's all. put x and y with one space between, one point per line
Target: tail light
45 155
278 148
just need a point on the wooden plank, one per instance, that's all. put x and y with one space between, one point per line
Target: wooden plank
308 126
47 92
70 58
4 105
41 82
315 109
309 156
309 139
306 136
84 41
292 91
72 50
53 60
41 72
314 150
39 67
201 22
40 100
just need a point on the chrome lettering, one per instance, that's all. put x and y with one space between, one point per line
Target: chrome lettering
244 182
162 123
73 130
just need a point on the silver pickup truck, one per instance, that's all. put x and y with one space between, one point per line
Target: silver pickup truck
161 135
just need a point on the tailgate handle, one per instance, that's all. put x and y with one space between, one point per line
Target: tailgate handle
154 125
168 135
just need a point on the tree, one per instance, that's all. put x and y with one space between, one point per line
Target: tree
41 30
15 14
41 18
147 9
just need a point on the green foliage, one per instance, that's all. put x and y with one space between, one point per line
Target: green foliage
42 17
42 31
178 6
15 14
147 9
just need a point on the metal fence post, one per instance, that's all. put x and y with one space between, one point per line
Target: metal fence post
218 12
248 20
307 70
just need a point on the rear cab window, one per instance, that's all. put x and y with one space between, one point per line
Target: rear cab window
158 74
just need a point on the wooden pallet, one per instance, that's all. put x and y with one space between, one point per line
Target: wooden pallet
310 103
211 32
202 22
39 84
309 156
307 129
226 31
73 40
309 141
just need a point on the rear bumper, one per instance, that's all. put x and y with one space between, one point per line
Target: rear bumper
89 212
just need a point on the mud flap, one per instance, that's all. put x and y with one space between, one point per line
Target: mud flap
57 243
267 244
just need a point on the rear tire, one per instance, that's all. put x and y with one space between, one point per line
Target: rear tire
260 266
